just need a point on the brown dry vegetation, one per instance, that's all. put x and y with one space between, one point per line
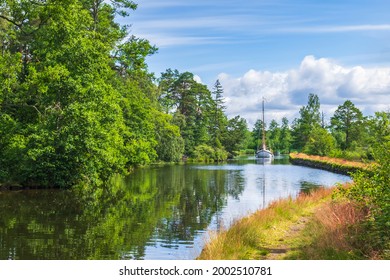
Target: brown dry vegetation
331 160
332 233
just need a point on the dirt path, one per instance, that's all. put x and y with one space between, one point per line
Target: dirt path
280 251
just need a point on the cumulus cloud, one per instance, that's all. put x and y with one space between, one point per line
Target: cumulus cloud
197 79
286 92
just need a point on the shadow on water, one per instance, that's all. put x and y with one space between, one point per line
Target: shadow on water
308 187
168 206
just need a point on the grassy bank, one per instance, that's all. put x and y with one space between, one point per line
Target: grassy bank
312 226
336 165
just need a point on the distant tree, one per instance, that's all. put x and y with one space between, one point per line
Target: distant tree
273 136
347 120
257 134
218 117
191 104
236 135
320 142
310 118
285 136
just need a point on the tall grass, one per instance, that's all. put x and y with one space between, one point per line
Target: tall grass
333 233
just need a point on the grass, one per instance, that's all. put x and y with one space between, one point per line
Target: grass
331 160
332 234
312 226
336 165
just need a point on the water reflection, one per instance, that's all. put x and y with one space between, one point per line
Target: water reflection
156 213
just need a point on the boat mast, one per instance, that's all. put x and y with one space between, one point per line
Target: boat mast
264 147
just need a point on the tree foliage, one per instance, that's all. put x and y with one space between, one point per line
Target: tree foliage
372 189
200 115
310 118
347 121
76 99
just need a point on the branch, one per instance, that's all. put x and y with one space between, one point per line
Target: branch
11 21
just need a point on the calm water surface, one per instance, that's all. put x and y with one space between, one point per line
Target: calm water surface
156 213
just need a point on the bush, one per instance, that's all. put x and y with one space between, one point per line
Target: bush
205 153
372 189
356 155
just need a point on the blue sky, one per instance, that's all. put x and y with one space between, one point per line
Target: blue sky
279 49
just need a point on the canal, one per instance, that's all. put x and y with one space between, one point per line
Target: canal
155 213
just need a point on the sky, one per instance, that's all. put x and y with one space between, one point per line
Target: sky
281 50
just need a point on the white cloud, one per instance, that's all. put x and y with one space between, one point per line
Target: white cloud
285 92
197 79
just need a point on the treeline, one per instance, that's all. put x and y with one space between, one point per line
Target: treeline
348 135
207 133
78 104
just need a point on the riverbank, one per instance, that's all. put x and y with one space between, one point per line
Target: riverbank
336 165
312 226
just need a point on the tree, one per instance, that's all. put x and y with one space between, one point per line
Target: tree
274 136
191 104
170 144
236 135
347 119
321 142
310 118
71 111
218 118
285 137
257 134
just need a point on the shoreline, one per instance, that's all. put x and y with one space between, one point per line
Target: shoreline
335 165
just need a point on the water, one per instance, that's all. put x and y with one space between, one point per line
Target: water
156 213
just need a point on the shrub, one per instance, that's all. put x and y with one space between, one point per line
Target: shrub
205 153
372 188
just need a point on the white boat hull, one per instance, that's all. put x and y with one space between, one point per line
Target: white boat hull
264 154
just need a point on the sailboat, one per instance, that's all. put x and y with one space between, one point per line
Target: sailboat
263 153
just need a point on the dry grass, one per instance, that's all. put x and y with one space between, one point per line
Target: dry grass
260 234
331 233
330 160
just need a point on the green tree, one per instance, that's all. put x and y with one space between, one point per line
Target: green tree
191 104
257 134
320 142
310 118
170 144
347 121
285 137
236 135
273 136
71 111
218 118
